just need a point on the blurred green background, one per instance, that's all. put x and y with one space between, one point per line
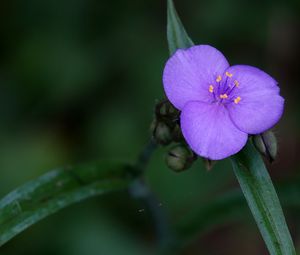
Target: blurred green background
78 82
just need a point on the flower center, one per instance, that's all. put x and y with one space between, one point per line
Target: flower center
223 89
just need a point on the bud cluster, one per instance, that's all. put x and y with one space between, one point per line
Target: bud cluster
165 126
165 129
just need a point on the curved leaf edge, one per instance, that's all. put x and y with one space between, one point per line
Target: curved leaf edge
56 190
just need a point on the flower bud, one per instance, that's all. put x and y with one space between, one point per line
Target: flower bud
162 133
166 110
177 134
180 158
266 144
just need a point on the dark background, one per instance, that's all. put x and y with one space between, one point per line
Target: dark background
78 82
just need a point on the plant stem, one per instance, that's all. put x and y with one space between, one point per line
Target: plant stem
141 191
145 156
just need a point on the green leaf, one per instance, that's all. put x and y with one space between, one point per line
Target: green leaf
177 36
55 190
262 199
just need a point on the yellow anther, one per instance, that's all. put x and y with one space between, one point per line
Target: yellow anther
236 83
219 78
211 89
237 100
228 74
223 96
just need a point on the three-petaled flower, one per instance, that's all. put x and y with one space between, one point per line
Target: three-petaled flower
220 104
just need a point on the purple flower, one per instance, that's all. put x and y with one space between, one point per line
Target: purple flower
220 104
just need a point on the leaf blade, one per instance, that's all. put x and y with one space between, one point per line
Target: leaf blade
176 34
262 200
54 191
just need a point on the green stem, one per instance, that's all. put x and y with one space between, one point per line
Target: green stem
145 156
141 191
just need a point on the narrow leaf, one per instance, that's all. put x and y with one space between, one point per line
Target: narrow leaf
177 36
262 199
55 190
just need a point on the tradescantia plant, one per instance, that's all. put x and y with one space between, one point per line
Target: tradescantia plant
210 112
195 75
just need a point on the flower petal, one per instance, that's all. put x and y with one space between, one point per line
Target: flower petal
209 130
188 74
260 105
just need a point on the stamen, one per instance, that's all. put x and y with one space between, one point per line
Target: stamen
228 74
236 83
219 78
237 100
223 96
211 89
